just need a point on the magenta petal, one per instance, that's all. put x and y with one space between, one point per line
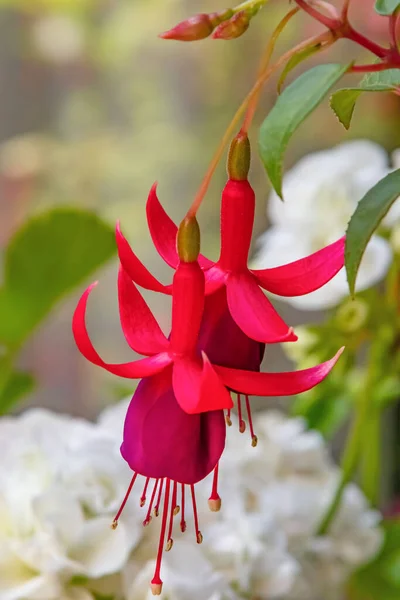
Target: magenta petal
215 279
164 231
305 275
197 387
135 268
131 370
140 328
253 312
223 341
276 384
161 440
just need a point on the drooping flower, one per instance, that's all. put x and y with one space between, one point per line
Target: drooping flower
174 430
321 192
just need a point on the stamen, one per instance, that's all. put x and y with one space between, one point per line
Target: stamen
157 506
199 536
228 418
114 524
143 496
183 522
214 501
153 494
156 582
254 438
242 424
170 541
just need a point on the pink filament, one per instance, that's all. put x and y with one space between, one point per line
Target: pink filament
143 496
183 522
242 424
153 494
156 579
199 537
125 500
214 491
249 417
157 506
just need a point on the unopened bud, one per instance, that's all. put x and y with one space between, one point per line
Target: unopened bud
197 27
234 28
194 28
188 241
239 158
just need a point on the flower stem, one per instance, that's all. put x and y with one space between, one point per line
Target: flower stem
321 38
349 464
371 459
249 5
252 106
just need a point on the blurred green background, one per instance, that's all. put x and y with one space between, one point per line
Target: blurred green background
94 109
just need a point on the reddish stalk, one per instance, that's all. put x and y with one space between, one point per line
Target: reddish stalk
124 501
156 582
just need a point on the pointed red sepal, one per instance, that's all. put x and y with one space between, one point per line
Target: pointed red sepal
164 231
140 328
131 370
253 312
197 387
276 384
305 275
135 268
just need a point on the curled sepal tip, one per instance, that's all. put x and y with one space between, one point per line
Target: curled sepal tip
239 156
188 240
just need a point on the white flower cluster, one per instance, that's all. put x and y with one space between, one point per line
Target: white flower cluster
62 479
321 192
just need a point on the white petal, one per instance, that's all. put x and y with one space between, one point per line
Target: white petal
101 550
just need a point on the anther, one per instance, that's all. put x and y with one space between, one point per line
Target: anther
228 418
169 545
199 537
254 441
114 525
214 501
143 496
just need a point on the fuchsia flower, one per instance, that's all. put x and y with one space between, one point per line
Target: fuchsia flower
174 430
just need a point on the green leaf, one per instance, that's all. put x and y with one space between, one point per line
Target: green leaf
380 580
365 220
386 7
343 101
295 103
17 385
50 255
295 60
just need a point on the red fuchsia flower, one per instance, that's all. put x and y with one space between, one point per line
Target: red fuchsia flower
174 430
238 317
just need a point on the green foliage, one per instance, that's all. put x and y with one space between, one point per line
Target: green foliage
15 386
386 7
343 101
380 579
46 259
296 102
295 60
365 220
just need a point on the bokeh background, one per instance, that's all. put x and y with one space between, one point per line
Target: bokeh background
94 108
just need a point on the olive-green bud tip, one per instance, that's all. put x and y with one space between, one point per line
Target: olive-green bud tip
239 158
188 241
